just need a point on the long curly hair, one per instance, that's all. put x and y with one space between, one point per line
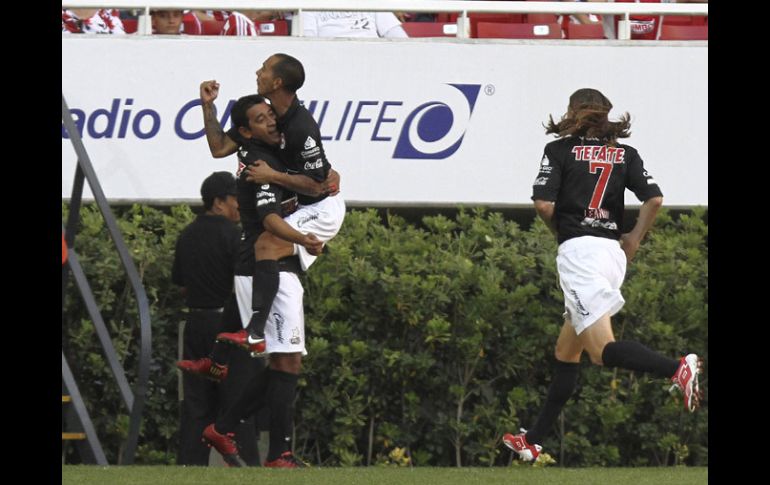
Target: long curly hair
587 116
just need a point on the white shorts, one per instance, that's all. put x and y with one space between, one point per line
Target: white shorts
591 271
323 219
285 327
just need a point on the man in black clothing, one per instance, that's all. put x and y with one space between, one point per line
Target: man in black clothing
204 263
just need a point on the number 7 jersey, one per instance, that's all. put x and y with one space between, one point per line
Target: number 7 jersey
587 180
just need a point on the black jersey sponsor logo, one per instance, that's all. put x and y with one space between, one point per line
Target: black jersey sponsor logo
313 165
591 222
310 143
599 153
541 181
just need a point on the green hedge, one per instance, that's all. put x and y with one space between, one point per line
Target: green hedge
425 343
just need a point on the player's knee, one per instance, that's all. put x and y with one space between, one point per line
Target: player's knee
563 354
596 357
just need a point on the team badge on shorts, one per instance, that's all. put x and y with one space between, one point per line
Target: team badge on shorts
295 340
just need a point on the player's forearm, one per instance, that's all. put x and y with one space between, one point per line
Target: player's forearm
545 209
277 226
298 183
647 214
220 144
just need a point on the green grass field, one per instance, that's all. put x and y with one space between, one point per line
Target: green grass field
520 475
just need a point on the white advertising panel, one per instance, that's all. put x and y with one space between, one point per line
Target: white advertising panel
405 122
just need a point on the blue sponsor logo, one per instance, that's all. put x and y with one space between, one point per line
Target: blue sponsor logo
433 130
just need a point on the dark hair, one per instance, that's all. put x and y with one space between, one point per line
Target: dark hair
587 117
290 70
217 185
238 112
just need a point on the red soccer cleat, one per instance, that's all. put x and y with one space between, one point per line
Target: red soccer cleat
286 460
224 444
241 338
686 380
518 443
204 367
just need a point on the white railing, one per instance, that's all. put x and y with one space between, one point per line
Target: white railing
625 10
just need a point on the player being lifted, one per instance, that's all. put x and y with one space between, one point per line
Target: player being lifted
579 193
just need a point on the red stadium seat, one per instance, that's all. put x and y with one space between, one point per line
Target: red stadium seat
273 27
584 31
430 29
507 18
684 20
129 25
541 18
489 30
212 27
684 32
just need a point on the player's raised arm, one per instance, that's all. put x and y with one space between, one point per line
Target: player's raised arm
220 144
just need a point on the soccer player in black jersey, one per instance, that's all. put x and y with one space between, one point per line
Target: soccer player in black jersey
302 152
254 126
579 194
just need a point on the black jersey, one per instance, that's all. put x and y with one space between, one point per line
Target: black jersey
255 201
205 259
301 149
587 180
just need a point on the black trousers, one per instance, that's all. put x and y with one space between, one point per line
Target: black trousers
204 400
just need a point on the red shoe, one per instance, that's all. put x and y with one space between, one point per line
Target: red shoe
518 443
256 347
204 367
224 444
686 380
286 460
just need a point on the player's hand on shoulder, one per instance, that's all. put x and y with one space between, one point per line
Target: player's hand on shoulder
313 245
331 186
259 172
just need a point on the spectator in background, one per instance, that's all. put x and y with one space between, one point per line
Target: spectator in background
91 21
167 22
236 23
643 27
351 24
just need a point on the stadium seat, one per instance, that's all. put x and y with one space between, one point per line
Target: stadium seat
212 27
489 30
190 25
430 29
684 20
684 32
541 18
584 31
273 27
130 25
506 18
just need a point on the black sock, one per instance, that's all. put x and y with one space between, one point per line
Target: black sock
281 389
251 396
635 356
562 386
264 288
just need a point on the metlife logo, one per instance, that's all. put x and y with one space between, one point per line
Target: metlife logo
430 128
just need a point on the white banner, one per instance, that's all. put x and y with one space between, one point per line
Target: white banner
404 122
